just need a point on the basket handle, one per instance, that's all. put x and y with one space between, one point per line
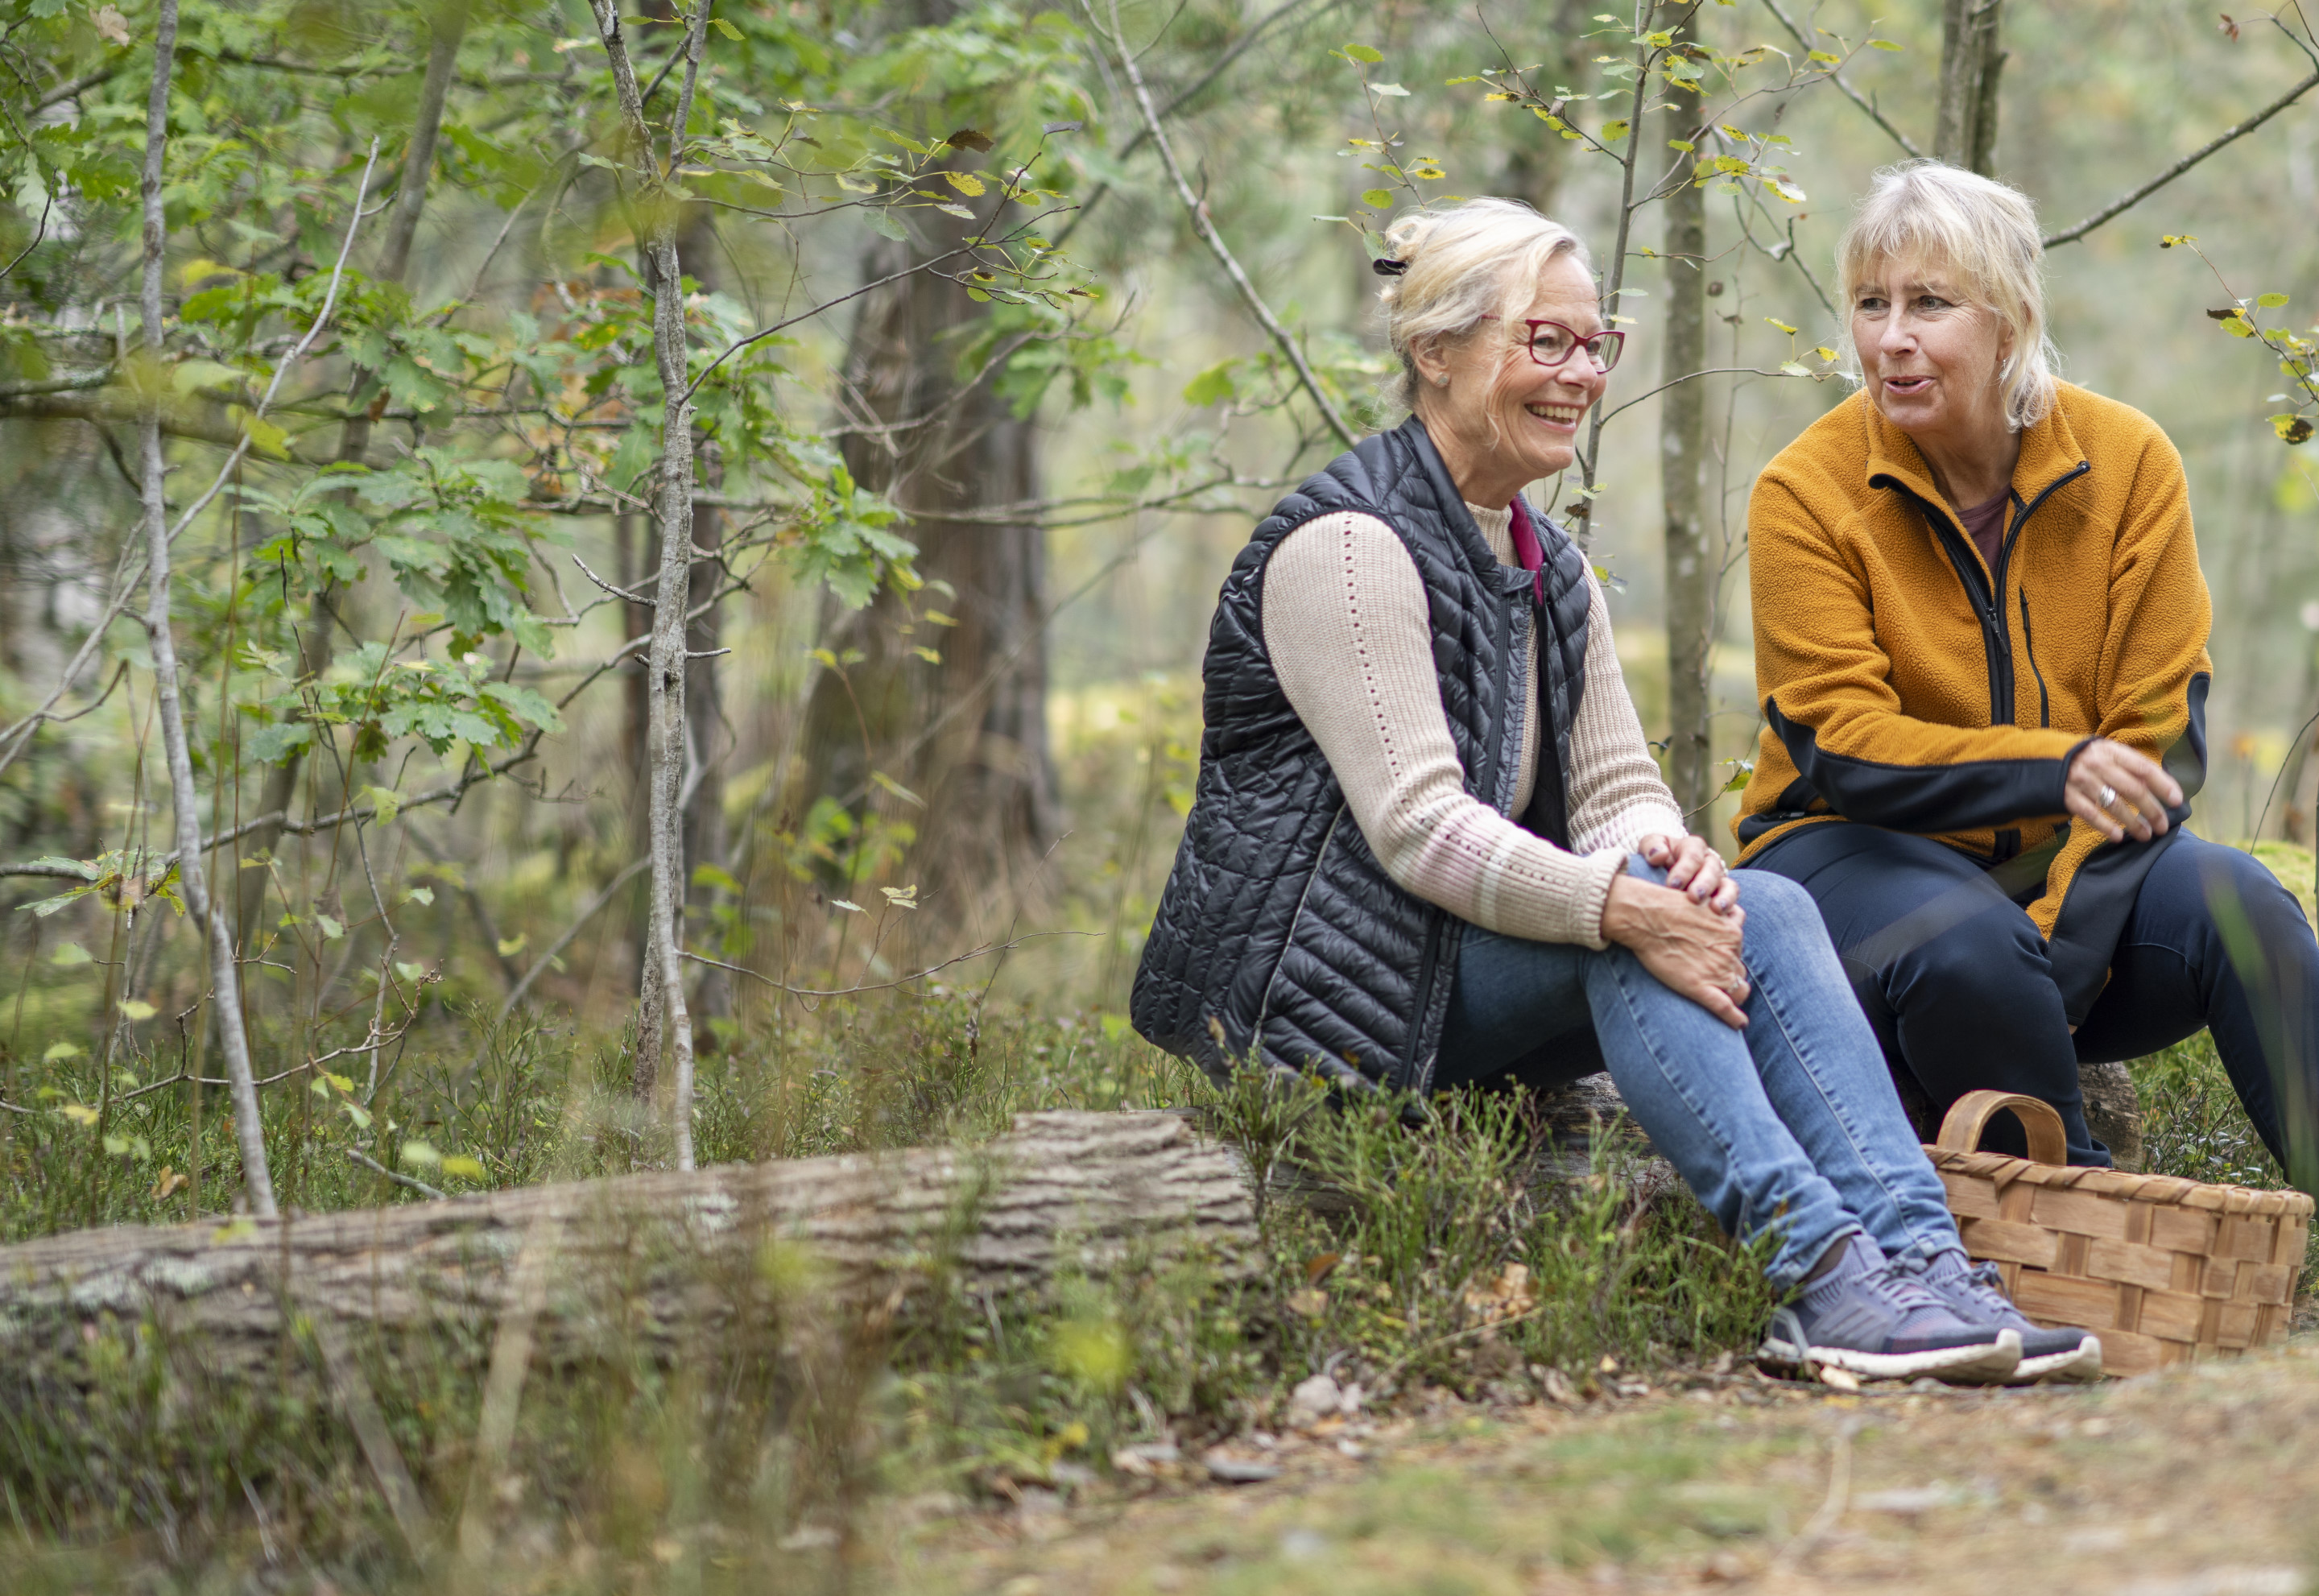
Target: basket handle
1968 1116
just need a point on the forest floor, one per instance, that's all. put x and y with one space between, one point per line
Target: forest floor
2200 1481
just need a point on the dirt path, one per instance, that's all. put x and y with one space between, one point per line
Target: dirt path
2202 1482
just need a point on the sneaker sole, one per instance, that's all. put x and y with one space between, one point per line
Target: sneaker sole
2080 1366
1983 1365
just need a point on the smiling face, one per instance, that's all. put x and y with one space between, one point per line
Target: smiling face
1503 420
1931 357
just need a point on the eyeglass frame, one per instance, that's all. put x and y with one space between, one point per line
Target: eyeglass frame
1578 341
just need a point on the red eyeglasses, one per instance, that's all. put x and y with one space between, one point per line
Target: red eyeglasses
1551 344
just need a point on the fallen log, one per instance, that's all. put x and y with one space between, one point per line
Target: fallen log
1091 1192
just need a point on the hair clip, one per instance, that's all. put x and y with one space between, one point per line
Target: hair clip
1388 269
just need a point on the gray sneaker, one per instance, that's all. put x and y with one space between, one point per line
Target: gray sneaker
1976 1290
1869 1317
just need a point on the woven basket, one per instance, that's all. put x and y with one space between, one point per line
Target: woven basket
2164 1270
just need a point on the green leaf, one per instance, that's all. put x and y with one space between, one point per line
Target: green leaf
386 801
1885 44
966 183
332 929
1795 369
1363 53
137 1011
1376 199
71 953
424 895
1211 386
1388 88
59 1051
725 28
1613 131
419 1154
2270 302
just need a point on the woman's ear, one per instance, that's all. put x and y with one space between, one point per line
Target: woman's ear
1432 361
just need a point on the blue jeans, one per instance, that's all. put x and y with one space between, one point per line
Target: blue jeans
1953 977
1790 1126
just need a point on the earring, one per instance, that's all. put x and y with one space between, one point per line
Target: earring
1442 380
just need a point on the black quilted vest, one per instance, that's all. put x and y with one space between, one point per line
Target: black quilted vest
1279 934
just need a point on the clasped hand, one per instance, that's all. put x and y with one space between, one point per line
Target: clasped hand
2119 792
1686 932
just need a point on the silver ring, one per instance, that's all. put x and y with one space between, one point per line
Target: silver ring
2109 797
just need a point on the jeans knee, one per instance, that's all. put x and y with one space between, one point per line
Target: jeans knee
1776 904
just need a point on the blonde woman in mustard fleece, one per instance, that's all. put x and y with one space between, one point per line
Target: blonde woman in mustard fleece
1429 845
1981 655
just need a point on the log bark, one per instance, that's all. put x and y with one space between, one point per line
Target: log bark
1092 1192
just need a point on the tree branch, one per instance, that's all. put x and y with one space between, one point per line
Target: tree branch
1851 93
1206 227
2128 201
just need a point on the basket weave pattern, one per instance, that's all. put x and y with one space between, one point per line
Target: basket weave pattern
2165 1270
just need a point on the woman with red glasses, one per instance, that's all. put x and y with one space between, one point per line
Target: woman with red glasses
1429 847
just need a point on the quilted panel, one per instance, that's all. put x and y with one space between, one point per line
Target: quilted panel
1277 926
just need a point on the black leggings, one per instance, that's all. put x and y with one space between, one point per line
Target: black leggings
1961 996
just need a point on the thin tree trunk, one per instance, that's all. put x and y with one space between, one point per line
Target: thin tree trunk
665 684
447 27
1964 126
225 974
1691 572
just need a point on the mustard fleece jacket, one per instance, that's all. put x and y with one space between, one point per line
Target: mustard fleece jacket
1906 684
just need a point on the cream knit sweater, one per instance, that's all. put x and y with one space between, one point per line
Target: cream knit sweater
1345 623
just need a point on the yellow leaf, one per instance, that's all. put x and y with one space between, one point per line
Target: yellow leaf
465 1168
80 1114
966 183
136 1010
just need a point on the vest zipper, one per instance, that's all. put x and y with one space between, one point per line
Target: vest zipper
2029 647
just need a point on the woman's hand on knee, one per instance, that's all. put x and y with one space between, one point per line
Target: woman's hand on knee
1692 947
2120 793
1693 867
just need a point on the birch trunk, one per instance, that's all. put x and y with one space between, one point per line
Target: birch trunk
1691 572
225 973
656 210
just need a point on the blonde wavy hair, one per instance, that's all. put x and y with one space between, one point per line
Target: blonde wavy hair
1477 258
1982 231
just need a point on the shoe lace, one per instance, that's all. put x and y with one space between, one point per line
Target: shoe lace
1901 1283
1979 1281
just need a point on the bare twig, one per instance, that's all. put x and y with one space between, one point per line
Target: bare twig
1851 93
413 1184
1203 224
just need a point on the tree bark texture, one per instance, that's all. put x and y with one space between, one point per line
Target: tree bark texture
225 972
1964 126
657 214
968 734
1691 567
1083 1192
